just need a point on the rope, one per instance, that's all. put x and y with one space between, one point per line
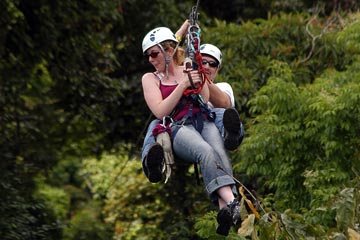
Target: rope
243 186
193 53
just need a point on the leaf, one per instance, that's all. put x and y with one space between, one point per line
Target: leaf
247 226
249 203
345 209
353 235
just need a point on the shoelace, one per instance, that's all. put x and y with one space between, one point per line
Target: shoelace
235 210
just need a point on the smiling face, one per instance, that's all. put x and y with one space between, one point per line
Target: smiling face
209 65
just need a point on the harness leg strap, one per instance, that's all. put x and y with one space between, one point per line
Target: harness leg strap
164 140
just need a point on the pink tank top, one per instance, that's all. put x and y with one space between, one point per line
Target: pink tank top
166 90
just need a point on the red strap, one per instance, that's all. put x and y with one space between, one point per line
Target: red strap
159 128
201 70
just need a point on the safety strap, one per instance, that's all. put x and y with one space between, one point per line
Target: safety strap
195 119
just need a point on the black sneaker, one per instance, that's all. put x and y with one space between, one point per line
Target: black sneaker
224 220
227 216
231 121
153 163
235 211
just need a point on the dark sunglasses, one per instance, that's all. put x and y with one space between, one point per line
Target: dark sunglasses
152 54
212 64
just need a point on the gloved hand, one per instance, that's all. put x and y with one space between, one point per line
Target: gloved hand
164 140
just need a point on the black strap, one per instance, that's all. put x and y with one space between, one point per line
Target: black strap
178 107
197 175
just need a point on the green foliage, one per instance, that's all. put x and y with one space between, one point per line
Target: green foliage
55 198
239 10
303 141
206 226
47 50
69 84
250 48
85 224
136 207
350 36
23 217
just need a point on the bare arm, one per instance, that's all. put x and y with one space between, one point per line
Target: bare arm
163 107
210 92
205 93
160 107
218 98
183 29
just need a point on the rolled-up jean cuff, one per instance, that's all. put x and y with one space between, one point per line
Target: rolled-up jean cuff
218 183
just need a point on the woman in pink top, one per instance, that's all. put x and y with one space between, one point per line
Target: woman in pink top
195 138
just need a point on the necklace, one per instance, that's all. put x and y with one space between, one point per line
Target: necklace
162 77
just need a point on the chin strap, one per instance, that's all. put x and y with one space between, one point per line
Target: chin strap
168 58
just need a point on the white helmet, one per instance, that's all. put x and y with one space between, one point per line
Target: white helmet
156 36
212 51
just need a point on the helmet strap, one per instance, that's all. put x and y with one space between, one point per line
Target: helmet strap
167 58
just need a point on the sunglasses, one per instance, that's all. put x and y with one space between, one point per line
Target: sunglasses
212 64
152 54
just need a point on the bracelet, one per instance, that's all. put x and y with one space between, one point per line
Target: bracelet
179 38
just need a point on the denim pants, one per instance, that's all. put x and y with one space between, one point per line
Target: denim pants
219 112
206 149
149 139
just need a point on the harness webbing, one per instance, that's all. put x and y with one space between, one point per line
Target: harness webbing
195 119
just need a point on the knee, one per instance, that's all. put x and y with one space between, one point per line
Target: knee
208 156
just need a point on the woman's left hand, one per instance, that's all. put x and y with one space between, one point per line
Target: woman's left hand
196 77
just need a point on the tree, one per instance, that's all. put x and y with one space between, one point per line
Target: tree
51 77
302 144
69 82
61 96
291 155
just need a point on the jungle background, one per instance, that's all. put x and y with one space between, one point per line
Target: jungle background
73 117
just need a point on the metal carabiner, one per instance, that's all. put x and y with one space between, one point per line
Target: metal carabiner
164 121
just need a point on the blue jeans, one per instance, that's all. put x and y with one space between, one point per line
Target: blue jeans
150 139
219 119
206 149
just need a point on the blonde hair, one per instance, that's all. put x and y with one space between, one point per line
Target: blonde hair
179 55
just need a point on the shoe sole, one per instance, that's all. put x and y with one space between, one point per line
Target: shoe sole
231 121
154 162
